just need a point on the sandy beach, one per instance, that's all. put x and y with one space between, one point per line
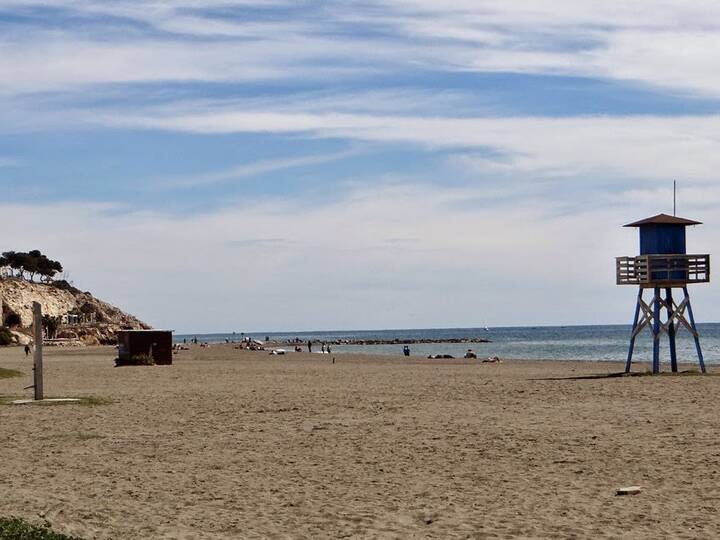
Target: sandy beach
239 444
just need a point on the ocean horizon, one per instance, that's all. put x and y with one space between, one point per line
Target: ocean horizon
581 342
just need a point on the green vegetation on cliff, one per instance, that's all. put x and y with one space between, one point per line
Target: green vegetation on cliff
29 264
6 337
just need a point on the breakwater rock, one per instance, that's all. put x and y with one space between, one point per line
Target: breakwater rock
411 341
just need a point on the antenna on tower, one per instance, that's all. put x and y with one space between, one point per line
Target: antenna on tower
674 197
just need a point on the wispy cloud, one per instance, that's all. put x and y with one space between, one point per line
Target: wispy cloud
6 161
628 146
249 170
455 199
258 243
193 41
275 265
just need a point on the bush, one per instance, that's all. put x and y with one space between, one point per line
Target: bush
14 528
8 374
88 308
51 324
6 337
135 360
63 285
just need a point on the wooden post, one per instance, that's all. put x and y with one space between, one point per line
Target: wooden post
656 332
2 313
696 336
671 329
38 354
632 335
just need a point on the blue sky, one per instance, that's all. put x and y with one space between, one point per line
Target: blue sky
241 165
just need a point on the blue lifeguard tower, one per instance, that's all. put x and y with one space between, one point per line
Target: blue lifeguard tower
663 264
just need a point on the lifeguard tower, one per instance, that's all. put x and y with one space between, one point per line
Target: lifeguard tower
663 264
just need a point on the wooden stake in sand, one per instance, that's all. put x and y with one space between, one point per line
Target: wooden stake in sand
38 354
38 367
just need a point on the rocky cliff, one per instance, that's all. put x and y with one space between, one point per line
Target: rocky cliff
81 316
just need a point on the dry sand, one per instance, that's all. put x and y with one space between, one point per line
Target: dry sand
231 444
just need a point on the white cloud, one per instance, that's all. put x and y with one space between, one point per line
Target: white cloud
632 146
384 255
277 264
59 64
669 44
7 161
247 170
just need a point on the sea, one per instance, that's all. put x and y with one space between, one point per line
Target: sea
601 343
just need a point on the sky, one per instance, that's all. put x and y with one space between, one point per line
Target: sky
237 165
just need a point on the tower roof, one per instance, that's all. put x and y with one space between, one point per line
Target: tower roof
665 220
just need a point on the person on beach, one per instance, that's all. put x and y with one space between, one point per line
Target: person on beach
406 350
309 346
27 350
323 347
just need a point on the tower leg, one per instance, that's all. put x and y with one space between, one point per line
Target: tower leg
671 329
695 332
632 334
656 332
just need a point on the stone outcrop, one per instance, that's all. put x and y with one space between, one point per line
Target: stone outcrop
94 322
20 338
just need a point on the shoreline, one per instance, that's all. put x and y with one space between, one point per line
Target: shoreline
94 350
637 365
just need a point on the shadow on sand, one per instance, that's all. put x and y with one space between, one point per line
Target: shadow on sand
687 373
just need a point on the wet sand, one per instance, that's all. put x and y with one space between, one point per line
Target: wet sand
239 444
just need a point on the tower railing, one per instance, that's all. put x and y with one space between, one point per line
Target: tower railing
662 270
